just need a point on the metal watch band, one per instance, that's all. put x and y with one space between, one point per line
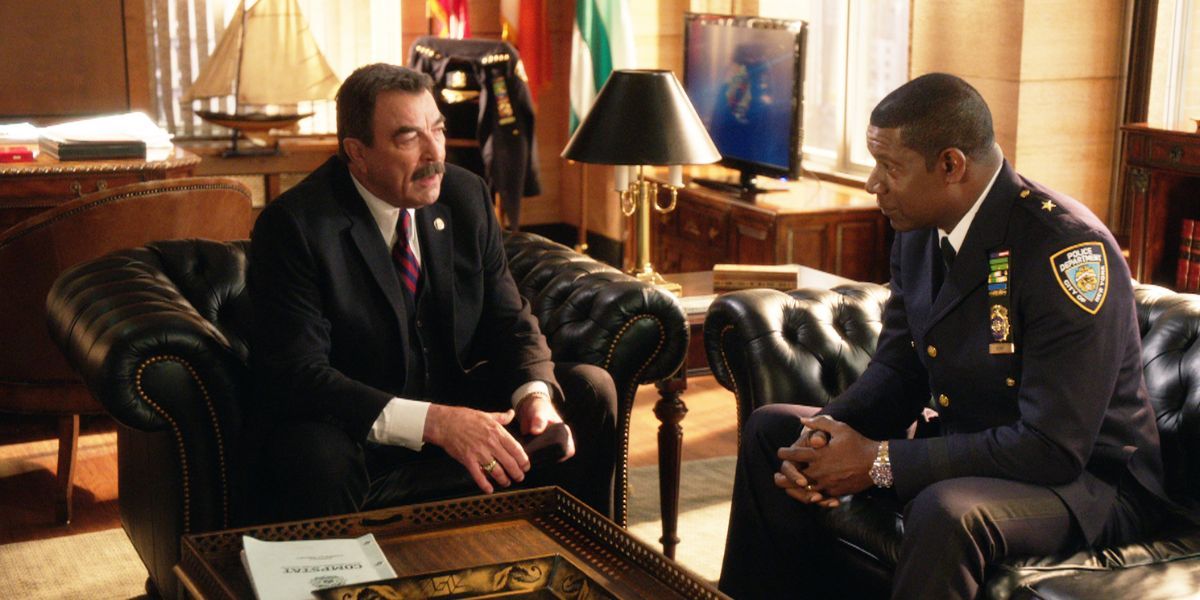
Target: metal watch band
881 469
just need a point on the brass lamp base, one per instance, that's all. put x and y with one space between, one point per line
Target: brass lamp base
652 277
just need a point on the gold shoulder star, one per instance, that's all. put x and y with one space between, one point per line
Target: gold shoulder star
1048 205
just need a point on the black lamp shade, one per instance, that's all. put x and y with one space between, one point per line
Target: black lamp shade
642 117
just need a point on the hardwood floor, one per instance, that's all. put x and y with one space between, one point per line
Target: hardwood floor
28 463
29 452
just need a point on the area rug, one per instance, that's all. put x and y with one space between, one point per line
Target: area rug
704 492
101 564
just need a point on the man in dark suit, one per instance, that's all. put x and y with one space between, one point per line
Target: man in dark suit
1012 315
390 341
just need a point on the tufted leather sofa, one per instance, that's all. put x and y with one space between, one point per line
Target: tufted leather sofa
806 346
159 335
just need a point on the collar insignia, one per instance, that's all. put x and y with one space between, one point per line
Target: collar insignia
1082 272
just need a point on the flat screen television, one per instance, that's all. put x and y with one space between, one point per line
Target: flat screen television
745 76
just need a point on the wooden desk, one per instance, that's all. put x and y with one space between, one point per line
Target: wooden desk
270 175
460 535
671 409
27 189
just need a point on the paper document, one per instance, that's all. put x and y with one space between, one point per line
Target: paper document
293 570
697 305
120 127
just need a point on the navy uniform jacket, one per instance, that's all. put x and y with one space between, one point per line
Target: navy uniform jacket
505 117
1067 408
331 328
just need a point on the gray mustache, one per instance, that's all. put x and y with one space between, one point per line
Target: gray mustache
434 168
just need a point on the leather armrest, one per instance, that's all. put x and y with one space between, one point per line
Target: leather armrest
592 313
800 347
634 330
141 347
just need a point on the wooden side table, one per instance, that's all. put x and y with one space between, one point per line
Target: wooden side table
27 189
671 409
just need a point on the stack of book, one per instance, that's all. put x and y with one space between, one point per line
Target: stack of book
18 142
130 135
1187 274
727 278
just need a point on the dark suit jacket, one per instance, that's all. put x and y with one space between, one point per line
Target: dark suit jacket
331 330
1068 409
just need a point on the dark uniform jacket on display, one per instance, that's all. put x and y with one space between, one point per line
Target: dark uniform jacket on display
1030 352
340 338
503 116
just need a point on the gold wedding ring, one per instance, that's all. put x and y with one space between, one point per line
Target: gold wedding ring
807 486
488 467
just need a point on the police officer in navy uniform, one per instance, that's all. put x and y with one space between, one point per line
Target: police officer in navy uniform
1012 312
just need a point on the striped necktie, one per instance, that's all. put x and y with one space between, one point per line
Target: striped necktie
402 254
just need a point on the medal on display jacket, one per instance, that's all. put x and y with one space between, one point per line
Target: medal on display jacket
487 78
1030 353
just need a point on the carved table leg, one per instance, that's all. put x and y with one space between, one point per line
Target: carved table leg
670 411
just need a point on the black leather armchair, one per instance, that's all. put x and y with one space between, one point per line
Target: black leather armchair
806 346
159 335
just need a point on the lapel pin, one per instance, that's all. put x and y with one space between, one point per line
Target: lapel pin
439 224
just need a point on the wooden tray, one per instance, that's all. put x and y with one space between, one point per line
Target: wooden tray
454 536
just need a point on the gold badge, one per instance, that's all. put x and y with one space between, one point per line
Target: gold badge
1001 329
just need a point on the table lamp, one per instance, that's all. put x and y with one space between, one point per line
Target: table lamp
643 117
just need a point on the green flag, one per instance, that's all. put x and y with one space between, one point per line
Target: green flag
601 41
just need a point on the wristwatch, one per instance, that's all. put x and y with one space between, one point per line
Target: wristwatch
881 469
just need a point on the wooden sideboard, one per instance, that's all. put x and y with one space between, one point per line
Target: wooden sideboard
32 187
819 224
269 175
1160 174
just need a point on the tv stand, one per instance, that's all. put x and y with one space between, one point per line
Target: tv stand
730 187
834 228
745 186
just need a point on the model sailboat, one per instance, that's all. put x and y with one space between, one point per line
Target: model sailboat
266 57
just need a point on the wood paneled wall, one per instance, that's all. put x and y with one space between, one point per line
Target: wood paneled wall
1051 72
71 58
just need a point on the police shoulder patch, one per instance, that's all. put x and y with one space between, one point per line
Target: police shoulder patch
1082 272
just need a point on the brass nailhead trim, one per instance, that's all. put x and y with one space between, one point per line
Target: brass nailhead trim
117 198
98 169
736 395
622 510
187 499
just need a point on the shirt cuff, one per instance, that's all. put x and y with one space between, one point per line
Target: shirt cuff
530 388
401 423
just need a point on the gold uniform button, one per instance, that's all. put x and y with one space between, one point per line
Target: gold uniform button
1024 193
943 400
1010 382
931 351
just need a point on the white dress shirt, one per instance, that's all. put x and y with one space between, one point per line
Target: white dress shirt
402 421
960 230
